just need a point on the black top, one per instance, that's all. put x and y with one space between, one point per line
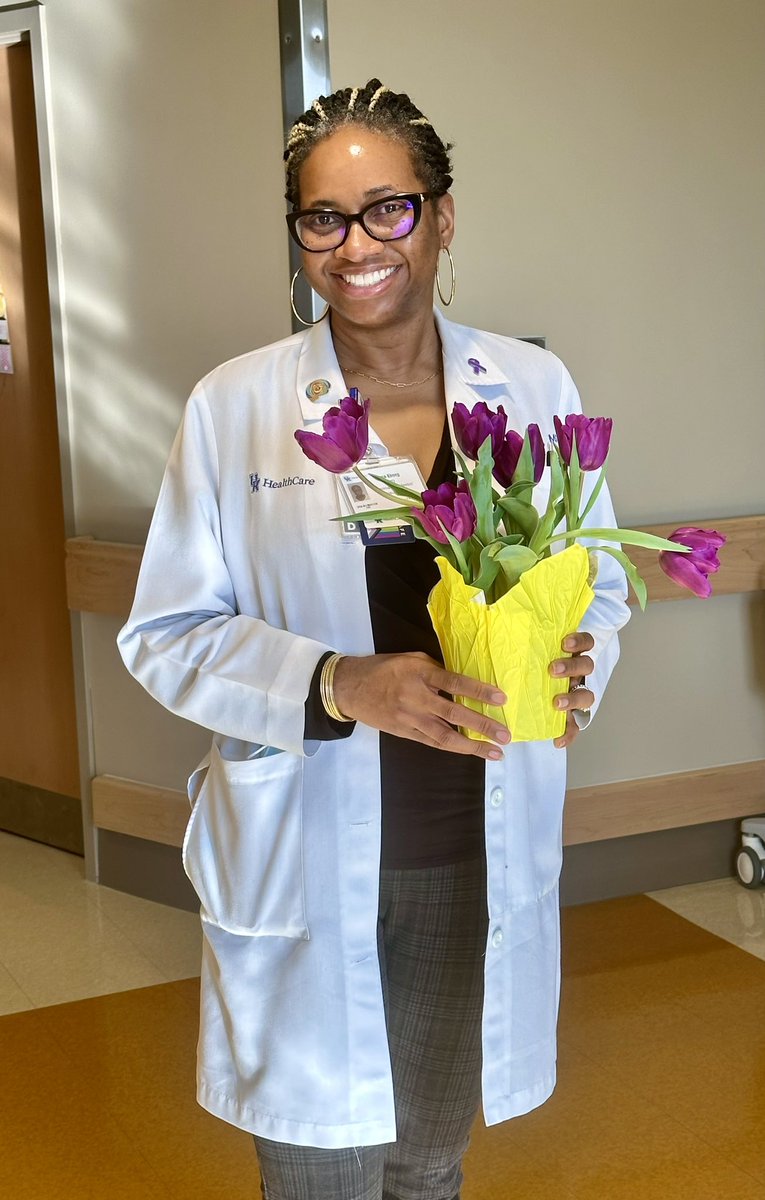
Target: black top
432 800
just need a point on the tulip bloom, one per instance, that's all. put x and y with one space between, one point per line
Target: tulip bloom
472 428
691 570
506 458
345 438
451 505
593 435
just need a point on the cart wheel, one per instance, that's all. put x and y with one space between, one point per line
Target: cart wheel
749 867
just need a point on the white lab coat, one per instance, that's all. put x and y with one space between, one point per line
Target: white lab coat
245 582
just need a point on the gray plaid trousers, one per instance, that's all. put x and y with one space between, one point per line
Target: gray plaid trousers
432 937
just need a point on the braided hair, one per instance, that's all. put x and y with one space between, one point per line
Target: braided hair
375 107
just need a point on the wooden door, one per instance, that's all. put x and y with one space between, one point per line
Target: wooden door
39 772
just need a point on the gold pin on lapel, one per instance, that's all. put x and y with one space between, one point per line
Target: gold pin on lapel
317 388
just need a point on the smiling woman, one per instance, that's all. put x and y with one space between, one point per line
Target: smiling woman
370 249
379 889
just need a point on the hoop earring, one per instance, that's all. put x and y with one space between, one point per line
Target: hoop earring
453 284
302 320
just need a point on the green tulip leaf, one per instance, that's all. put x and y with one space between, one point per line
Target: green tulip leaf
629 537
513 561
557 479
488 570
465 471
379 514
524 471
398 489
457 558
482 492
519 487
524 515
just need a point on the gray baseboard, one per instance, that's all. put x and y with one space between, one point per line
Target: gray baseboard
40 815
595 871
647 862
142 868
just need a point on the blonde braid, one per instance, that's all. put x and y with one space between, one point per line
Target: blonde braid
377 107
380 92
298 133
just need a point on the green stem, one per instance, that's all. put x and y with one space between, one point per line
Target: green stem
575 478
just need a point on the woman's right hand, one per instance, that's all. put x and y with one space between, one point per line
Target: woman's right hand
401 694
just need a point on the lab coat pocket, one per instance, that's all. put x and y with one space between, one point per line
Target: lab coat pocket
243 849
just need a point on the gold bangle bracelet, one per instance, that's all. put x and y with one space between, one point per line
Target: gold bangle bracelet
326 690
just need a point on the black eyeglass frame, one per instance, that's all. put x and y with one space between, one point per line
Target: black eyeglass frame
417 199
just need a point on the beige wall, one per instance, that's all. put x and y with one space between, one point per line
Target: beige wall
610 186
168 134
168 138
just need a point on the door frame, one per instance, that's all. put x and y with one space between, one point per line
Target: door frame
26 23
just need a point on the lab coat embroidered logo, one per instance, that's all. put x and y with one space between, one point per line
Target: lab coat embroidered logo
264 481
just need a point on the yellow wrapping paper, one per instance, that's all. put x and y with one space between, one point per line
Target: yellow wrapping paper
513 641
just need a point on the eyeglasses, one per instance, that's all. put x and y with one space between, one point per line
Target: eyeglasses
317 229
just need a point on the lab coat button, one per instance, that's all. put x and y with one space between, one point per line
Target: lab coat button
496 797
497 938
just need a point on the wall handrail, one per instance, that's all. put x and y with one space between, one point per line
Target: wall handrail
591 814
101 576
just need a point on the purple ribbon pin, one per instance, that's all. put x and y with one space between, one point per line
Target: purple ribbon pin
477 367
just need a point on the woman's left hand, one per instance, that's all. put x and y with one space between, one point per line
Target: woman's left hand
576 668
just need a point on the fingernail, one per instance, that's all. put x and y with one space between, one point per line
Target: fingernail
496 755
561 701
569 643
503 735
558 668
498 698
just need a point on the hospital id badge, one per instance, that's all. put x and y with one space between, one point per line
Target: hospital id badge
357 497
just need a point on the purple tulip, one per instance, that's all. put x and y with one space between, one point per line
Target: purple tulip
593 435
451 505
472 428
691 570
345 438
506 458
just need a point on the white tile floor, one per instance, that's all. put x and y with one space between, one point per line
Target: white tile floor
723 907
62 938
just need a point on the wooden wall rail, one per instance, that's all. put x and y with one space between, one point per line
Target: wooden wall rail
139 809
592 814
101 576
611 810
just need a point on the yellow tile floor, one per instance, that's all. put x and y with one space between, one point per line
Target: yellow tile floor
662 1052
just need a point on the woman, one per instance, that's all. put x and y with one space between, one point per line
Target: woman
379 892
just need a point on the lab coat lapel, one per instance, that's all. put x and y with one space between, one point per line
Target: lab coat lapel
470 373
319 380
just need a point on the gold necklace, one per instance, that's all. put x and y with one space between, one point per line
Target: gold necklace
389 382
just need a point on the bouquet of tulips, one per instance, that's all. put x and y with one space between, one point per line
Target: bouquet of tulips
496 549
493 534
